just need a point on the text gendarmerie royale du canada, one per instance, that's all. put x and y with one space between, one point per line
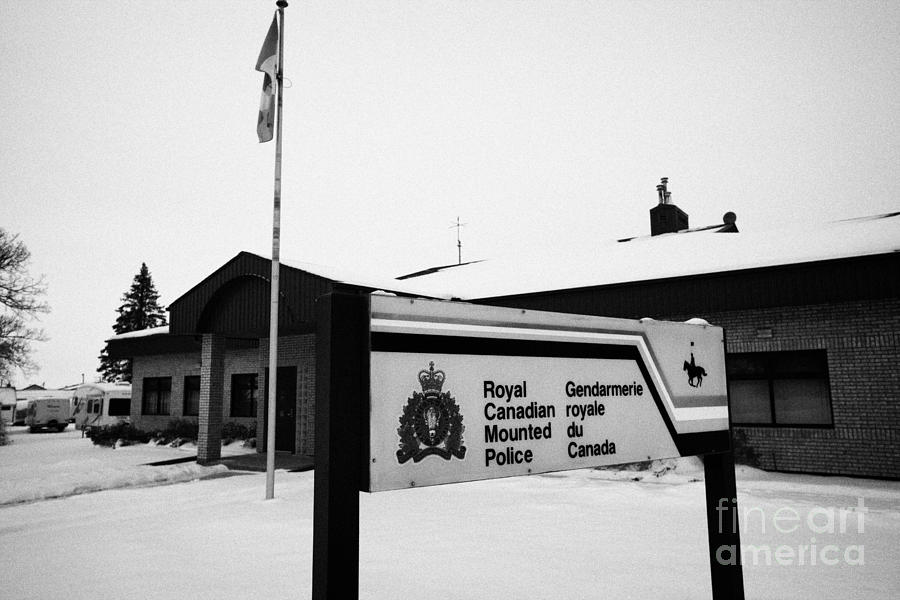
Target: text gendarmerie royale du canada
514 420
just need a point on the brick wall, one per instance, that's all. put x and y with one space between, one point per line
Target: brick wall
176 366
212 368
241 362
306 397
298 351
862 340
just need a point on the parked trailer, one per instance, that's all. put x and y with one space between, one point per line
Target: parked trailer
23 396
48 413
99 404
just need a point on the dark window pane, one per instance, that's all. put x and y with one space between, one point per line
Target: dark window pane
802 402
794 382
148 397
119 407
243 395
811 363
191 395
155 397
745 365
163 401
749 401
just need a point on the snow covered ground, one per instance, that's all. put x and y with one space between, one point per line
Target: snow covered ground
579 534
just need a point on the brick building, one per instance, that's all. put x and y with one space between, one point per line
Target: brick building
211 362
811 315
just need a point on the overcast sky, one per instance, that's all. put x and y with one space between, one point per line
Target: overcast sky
127 133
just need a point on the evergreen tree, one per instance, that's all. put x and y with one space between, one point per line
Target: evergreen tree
140 310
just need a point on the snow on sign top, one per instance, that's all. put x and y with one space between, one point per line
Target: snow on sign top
668 255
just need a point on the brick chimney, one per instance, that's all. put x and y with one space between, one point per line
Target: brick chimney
665 217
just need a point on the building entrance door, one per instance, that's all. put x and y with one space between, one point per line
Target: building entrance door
285 409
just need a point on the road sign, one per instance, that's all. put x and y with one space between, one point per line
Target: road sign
415 392
460 392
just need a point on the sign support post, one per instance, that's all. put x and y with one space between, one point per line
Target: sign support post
342 442
722 526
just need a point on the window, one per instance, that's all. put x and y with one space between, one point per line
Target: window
191 396
243 395
779 388
119 407
155 399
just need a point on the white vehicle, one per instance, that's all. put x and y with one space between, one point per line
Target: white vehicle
23 396
7 404
48 413
99 404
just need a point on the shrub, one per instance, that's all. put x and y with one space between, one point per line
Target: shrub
108 435
237 431
183 428
176 433
744 454
3 439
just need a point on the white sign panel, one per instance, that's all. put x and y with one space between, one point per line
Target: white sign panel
460 393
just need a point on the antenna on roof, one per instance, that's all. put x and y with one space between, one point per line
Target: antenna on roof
458 242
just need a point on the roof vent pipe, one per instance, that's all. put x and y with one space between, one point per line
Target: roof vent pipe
665 217
661 190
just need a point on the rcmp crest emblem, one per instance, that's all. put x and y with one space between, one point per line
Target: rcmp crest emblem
431 423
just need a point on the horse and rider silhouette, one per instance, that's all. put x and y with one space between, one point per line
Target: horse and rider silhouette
695 372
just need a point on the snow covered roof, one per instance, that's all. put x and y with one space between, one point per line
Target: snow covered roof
141 333
104 386
664 256
375 281
42 394
728 227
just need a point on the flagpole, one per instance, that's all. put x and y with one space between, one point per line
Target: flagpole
276 251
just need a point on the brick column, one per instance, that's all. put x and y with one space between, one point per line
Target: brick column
212 387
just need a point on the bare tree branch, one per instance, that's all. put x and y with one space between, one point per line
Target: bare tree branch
20 302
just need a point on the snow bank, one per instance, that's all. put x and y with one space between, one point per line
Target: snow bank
669 470
590 533
38 466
